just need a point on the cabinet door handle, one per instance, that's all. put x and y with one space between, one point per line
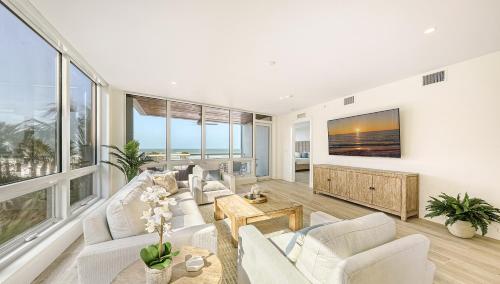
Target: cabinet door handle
329 180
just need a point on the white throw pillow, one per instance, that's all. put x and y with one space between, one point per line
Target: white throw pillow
124 213
213 185
167 181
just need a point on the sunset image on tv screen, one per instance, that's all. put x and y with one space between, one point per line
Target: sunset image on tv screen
375 134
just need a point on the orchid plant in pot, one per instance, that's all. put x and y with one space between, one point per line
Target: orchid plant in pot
157 257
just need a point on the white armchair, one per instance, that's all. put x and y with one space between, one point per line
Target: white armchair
362 250
207 182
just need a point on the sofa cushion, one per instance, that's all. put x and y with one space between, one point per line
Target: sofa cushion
213 185
124 212
182 221
325 247
146 178
167 180
183 207
95 227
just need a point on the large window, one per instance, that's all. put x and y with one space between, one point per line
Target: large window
29 102
216 133
185 131
81 119
35 142
242 134
149 126
192 133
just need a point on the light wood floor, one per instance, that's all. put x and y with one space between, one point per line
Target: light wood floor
302 177
458 261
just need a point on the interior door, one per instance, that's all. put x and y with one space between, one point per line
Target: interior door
262 150
387 192
360 185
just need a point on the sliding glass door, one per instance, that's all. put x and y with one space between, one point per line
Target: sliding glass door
262 149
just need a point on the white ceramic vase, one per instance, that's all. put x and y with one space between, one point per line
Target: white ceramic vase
462 229
155 276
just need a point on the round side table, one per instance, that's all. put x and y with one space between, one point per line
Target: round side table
210 273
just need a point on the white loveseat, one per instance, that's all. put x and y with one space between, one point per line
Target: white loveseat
207 182
362 250
107 252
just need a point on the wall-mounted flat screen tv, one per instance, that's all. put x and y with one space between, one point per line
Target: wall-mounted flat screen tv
373 135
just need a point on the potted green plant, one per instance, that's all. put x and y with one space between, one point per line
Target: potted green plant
157 257
463 216
129 160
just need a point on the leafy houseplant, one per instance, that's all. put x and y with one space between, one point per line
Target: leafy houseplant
463 216
129 160
158 258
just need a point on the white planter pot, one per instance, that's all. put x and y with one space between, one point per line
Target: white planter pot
155 276
462 229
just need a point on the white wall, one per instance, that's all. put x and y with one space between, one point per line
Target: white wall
116 135
450 131
302 131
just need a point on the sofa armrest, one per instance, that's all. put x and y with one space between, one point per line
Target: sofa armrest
100 263
230 181
259 261
401 261
320 217
196 188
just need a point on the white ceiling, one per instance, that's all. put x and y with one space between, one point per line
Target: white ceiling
218 51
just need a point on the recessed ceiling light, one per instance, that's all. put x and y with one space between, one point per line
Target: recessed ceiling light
272 63
430 30
173 83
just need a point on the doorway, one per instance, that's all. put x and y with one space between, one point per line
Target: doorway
262 150
302 152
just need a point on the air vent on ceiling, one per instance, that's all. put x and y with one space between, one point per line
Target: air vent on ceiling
301 115
349 100
433 78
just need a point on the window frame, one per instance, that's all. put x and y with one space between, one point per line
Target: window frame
58 182
169 162
92 169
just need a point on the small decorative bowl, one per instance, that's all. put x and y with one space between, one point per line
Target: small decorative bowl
254 198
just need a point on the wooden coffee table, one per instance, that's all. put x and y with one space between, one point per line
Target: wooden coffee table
242 213
211 273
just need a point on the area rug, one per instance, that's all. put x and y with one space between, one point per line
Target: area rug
226 252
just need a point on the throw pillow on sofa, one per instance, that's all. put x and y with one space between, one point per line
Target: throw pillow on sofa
124 213
213 185
167 181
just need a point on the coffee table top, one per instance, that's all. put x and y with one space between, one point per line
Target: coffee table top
235 205
211 273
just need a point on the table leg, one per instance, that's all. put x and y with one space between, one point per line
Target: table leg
218 214
295 220
236 223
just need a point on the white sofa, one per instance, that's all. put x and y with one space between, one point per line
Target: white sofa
362 250
207 183
105 256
